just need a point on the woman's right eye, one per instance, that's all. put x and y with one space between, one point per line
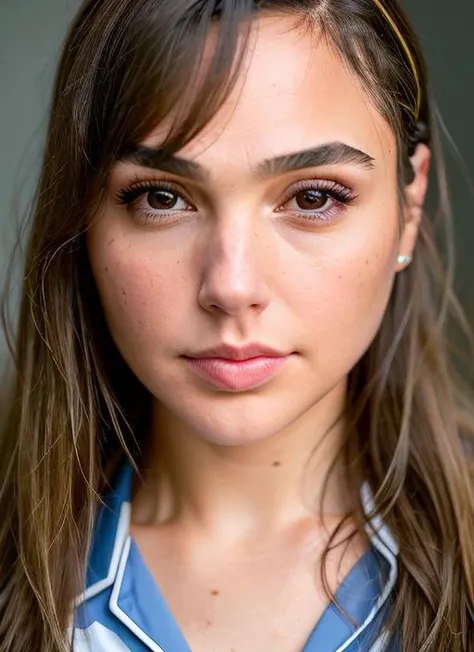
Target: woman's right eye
155 202
165 200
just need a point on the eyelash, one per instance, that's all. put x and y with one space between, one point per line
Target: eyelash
341 196
129 196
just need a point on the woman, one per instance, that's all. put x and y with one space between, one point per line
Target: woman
235 426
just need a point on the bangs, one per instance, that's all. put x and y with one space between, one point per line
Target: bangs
172 62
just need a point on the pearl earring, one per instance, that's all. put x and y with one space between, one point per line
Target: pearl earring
404 260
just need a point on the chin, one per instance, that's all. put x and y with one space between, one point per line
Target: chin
237 435
186 408
239 419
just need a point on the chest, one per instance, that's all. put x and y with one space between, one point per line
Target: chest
146 593
244 608
244 601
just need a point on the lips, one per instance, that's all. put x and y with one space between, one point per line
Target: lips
228 352
237 369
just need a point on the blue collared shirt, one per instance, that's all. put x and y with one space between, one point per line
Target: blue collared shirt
123 610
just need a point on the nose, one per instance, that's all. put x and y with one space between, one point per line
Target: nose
237 267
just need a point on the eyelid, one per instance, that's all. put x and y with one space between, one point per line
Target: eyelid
339 192
324 185
131 196
141 187
339 199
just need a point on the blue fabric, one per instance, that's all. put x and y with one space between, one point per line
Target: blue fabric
106 526
140 598
97 609
356 595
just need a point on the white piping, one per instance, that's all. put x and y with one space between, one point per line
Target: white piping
379 533
119 613
382 539
121 534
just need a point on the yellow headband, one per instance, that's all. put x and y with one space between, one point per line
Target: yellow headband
409 55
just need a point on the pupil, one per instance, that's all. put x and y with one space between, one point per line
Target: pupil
162 199
311 199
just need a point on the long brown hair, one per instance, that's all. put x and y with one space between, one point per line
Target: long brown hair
76 408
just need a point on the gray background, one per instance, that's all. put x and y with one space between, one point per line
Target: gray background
30 36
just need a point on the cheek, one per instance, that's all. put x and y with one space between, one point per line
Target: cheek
342 298
138 290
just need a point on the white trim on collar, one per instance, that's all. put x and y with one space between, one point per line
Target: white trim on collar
378 532
382 539
123 528
119 613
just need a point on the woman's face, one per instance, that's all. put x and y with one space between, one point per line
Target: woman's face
277 227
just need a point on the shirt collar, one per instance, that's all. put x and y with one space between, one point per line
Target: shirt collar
110 535
115 562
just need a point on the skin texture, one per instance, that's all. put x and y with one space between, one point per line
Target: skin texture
223 510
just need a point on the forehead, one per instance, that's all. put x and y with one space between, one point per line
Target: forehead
293 91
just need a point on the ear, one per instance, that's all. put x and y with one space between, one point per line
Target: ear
415 194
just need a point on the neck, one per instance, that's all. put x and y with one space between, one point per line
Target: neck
241 490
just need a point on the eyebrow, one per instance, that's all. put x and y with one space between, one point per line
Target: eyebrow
335 153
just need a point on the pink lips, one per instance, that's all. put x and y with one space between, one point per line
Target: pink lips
237 369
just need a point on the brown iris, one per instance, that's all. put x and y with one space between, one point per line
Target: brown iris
162 199
310 200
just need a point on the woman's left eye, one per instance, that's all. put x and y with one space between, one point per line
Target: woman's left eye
317 201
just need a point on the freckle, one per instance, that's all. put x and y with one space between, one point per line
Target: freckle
276 463
124 293
106 269
366 262
339 277
214 592
110 242
209 623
